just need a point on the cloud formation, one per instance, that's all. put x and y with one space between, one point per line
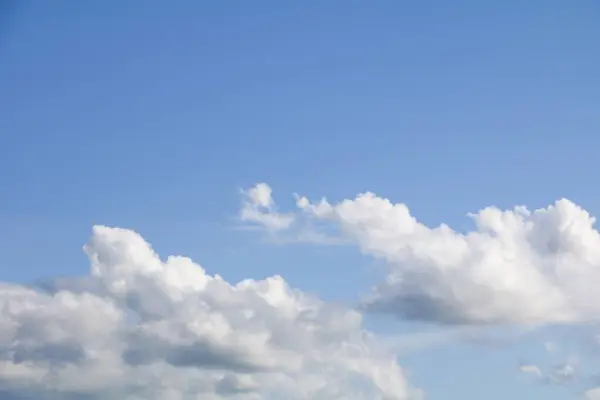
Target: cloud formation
139 327
258 209
560 374
531 369
516 267
592 394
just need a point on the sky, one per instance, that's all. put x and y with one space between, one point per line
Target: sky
388 201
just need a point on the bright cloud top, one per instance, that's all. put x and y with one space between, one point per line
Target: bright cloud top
517 266
142 328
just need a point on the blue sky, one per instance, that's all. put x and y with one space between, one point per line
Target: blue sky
153 117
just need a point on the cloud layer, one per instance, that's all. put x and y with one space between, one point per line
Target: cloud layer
139 327
517 266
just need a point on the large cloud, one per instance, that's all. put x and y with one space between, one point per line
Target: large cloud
516 266
142 328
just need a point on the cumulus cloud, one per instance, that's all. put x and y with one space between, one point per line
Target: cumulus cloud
139 327
515 266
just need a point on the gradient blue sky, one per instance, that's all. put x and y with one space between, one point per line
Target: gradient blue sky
152 116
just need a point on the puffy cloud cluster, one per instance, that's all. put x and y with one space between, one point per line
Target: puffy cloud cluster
139 327
516 266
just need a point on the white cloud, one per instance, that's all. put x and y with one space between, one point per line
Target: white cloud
258 208
531 370
516 266
142 328
259 211
550 347
562 374
592 394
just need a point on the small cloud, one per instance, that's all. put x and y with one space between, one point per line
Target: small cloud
259 212
592 394
562 374
531 369
550 347
258 208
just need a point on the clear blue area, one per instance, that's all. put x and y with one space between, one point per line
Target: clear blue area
152 115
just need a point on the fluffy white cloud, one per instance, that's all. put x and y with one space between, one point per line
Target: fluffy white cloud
516 266
144 328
